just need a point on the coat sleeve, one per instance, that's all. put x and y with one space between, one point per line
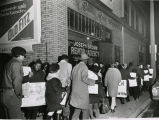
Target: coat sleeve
106 79
85 77
17 79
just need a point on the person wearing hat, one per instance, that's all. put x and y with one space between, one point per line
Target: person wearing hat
12 84
79 96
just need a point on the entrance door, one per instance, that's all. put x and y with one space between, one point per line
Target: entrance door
106 52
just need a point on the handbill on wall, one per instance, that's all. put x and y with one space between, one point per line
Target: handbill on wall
18 22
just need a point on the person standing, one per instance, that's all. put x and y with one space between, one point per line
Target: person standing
112 80
54 91
80 96
12 84
35 76
65 71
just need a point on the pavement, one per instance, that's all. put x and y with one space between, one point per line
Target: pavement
131 109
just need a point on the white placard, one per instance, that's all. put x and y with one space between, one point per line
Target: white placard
92 75
142 82
146 71
63 102
146 77
93 89
122 89
34 94
133 75
132 83
151 71
26 70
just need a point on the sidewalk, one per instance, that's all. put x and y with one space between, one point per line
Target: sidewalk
130 109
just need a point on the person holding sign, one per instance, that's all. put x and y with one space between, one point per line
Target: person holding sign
79 95
94 98
54 91
125 76
12 84
112 80
35 76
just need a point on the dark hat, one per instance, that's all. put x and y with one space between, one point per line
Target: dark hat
16 51
84 56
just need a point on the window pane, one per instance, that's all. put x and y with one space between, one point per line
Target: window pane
72 19
93 28
83 23
76 21
87 25
68 20
90 25
80 22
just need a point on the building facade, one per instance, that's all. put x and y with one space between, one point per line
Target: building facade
108 30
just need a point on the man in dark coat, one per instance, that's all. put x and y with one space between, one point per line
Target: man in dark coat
12 84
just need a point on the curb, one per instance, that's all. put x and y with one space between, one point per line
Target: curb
138 112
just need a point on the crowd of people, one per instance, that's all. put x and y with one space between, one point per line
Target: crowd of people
64 80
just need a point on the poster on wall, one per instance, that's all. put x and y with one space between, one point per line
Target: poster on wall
19 23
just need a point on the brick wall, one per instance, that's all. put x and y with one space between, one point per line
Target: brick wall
54 35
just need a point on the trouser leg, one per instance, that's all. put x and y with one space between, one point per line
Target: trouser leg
113 103
76 114
85 113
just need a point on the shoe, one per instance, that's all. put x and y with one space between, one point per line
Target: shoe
112 110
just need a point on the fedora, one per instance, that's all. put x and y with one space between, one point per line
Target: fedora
84 56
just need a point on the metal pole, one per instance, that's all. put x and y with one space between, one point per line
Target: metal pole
152 38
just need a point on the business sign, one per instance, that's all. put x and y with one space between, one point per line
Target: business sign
75 49
19 22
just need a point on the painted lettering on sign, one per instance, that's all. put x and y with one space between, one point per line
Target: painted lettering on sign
22 23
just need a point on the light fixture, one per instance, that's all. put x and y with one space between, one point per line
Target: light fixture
87 38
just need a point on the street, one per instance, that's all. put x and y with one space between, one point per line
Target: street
152 111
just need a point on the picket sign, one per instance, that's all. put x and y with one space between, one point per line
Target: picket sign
26 70
146 78
34 94
93 89
132 83
64 98
122 89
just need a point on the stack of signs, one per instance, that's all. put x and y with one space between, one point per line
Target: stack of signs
122 89
133 82
92 89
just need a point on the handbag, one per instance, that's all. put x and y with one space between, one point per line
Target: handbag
104 108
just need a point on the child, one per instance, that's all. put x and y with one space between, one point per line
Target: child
53 91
